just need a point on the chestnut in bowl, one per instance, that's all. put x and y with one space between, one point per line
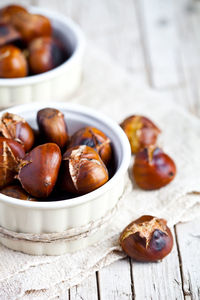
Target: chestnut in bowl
45 53
8 11
10 154
52 126
15 127
13 63
8 34
30 25
94 138
82 170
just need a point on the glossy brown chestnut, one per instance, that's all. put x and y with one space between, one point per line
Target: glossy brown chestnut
45 53
39 169
8 11
15 127
52 126
10 154
8 34
12 62
94 138
82 170
153 169
147 239
16 191
140 131
31 26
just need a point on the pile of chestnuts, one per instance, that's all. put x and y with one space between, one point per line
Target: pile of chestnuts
148 238
37 164
152 168
27 44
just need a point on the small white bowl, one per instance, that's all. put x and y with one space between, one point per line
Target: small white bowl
57 83
58 216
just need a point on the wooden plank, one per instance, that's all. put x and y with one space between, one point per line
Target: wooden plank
86 290
115 281
160 39
188 14
156 281
188 238
111 26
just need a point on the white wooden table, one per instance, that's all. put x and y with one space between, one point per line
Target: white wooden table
158 43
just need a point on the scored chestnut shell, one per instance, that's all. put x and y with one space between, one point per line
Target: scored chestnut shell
8 34
140 131
10 154
147 239
82 170
13 63
14 127
94 138
31 26
39 170
153 169
16 191
52 126
45 53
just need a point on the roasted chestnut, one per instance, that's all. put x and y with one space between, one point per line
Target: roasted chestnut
31 26
153 169
13 63
16 191
140 131
82 170
147 239
15 127
39 169
45 53
8 34
8 11
52 126
10 154
94 138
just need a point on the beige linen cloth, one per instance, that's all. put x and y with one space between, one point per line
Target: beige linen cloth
108 88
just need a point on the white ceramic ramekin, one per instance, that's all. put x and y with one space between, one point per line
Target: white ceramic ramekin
58 216
57 83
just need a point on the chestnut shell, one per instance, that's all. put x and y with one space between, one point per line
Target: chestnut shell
153 169
14 127
16 191
39 170
52 126
10 154
140 131
82 170
13 63
45 53
31 26
147 239
94 138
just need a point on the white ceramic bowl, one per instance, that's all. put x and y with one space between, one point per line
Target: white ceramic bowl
57 83
58 216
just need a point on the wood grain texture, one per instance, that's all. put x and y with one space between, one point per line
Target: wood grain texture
86 290
160 39
115 281
188 237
